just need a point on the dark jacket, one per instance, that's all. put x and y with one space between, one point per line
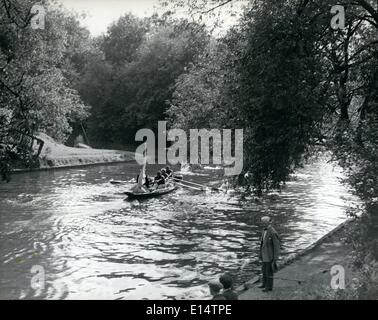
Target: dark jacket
169 173
270 245
159 180
147 182
230 295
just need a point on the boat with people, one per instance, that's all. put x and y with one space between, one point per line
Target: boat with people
147 187
152 194
165 181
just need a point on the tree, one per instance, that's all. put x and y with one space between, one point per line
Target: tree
135 92
297 80
204 96
124 38
36 94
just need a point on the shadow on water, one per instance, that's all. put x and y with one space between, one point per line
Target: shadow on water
93 244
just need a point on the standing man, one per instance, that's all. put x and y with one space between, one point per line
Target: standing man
141 178
269 253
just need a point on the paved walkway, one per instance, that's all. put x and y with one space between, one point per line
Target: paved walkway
313 270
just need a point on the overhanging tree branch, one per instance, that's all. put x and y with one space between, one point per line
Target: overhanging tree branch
369 8
217 6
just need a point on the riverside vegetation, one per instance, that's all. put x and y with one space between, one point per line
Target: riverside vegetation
295 86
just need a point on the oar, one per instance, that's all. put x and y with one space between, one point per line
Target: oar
192 183
200 185
189 187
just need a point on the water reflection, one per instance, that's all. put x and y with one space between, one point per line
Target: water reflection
93 244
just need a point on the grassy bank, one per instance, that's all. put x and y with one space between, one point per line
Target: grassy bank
57 155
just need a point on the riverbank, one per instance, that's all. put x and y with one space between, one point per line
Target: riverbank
56 155
307 276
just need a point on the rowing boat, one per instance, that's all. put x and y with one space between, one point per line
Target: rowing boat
152 194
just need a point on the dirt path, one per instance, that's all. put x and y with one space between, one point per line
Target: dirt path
313 270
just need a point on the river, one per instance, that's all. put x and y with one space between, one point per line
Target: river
87 242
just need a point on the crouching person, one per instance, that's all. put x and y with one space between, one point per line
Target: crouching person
215 290
228 292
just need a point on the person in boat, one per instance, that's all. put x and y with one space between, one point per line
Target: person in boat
148 183
169 172
143 183
159 180
164 173
139 187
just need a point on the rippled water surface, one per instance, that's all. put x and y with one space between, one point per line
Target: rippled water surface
92 244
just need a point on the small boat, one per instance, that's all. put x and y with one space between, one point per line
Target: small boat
152 194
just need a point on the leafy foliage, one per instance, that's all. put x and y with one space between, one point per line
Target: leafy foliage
134 87
34 64
291 81
202 96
